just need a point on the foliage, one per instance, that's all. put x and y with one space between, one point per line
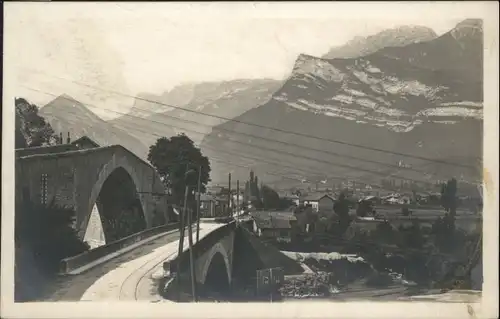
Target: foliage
384 233
341 208
443 230
271 199
31 129
158 218
48 230
449 196
364 208
405 211
173 158
130 222
411 237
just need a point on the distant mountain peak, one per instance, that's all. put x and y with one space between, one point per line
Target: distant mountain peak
64 97
468 28
393 37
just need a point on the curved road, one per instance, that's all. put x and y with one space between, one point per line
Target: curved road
130 276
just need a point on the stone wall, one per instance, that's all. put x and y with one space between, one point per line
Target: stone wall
75 179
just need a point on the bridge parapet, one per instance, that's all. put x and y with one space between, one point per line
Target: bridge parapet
204 245
69 265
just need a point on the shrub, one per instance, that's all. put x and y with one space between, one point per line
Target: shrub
48 230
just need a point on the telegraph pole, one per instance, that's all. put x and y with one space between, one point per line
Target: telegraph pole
198 207
182 213
229 197
191 257
238 210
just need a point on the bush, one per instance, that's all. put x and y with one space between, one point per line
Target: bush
405 211
48 230
379 280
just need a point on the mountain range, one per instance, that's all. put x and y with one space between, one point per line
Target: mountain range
65 114
423 99
394 37
404 89
202 106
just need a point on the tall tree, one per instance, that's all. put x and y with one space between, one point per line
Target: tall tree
449 197
270 198
173 158
31 129
341 208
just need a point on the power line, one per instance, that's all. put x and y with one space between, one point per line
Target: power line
256 125
254 146
254 136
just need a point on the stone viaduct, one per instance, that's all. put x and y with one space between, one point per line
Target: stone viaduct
110 177
226 254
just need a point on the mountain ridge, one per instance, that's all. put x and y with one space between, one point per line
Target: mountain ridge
66 114
392 37
422 98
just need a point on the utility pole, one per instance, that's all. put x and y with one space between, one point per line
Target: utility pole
182 213
229 197
191 257
198 207
238 210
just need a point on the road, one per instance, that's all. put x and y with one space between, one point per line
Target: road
130 276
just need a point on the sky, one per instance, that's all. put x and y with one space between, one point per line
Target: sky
131 48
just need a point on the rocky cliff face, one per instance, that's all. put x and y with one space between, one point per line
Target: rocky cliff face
424 99
395 37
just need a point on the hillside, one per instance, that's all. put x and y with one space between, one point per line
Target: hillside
423 99
394 37
223 99
65 114
151 117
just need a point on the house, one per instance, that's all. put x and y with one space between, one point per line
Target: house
84 142
207 205
374 200
274 227
217 190
290 197
305 217
322 203
213 206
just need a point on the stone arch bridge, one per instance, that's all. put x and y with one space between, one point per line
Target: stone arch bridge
127 190
227 254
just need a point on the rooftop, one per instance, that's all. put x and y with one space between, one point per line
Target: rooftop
315 197
273 223
273 219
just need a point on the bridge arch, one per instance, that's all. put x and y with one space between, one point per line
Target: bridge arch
116 195
216 271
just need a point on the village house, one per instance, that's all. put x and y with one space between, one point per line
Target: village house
320 203
83 142
213 206
290 197
207 205
279 228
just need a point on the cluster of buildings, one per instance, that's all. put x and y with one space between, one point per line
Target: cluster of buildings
311 214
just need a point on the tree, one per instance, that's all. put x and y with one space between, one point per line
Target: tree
364 207
270 198
449 197
31 129
173 158
341 208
